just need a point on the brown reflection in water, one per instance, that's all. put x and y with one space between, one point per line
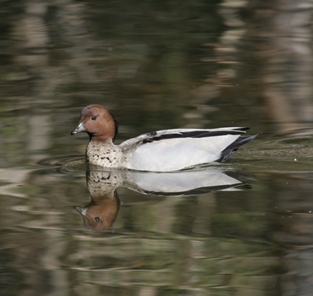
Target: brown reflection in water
294 228
295 209
284 30
101 211
41 46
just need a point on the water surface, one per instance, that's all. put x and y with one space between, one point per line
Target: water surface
240 228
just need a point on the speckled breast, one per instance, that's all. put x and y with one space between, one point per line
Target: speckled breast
103 154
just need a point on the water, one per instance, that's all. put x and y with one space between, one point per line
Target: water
240 228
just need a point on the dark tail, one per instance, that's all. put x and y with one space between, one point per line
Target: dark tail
229 150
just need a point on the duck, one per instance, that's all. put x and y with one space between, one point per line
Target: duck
158 151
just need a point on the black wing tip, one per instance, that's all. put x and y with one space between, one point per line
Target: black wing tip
241 129
229 150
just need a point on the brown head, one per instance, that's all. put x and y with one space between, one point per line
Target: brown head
97 122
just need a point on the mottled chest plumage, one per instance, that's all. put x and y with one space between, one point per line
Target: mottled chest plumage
104 154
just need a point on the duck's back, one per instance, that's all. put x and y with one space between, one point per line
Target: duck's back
177 149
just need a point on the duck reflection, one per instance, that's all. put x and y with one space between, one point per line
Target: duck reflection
101 211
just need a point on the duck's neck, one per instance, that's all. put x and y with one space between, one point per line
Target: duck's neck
101 137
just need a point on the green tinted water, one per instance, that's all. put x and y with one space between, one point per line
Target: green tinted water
244 228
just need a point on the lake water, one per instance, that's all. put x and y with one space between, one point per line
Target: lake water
244 227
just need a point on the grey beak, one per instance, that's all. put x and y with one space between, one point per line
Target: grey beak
78 129
80 210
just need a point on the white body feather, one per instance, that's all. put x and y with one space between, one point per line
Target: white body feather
151 152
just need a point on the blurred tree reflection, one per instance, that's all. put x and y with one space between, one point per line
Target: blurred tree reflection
284 30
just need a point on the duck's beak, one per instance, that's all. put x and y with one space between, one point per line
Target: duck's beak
78 129
82 211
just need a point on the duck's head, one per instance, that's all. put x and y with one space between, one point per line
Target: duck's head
97 122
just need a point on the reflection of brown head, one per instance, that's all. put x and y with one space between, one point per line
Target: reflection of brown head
100 213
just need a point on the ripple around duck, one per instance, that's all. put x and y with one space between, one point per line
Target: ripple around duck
283 154
68 163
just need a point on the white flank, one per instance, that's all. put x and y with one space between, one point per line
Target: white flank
178 153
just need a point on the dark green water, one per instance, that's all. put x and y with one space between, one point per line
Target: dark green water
157 65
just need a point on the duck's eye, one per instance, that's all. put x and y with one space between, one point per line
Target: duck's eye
93 117
97 219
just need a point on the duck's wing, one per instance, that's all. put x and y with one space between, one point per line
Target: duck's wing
176 149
